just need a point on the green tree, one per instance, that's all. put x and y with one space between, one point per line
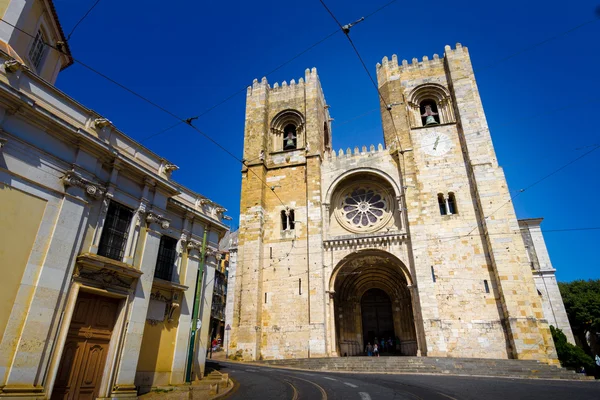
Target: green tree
571 356
582 302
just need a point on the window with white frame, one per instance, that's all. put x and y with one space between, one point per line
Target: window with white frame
37 50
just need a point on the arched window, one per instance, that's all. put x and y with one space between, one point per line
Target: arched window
442 204
289 137
430 104
287 219
429 112
451 204
287 128
284 222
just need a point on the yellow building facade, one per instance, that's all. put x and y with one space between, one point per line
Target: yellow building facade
102 252
414 241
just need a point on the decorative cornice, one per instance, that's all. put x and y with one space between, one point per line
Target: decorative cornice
212 252
194 245
93 189
371 240
169 168
158 219
12 66
100 123
105 273
105 277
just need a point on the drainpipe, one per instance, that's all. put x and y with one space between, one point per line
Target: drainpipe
194 328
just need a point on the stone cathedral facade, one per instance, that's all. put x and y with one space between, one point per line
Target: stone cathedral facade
414 240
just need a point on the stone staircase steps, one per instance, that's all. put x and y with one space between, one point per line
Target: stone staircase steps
418 365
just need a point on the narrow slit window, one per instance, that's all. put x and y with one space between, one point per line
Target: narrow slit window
487 287
432 274
291 220
266 298
442 204
284 221
451 204
300 286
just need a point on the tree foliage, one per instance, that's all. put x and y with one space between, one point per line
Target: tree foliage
570 356
582 302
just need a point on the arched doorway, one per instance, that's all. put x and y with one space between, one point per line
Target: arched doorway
372 299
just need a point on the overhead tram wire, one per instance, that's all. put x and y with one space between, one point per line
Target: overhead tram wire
346 30
152 103
167 111
81 20
521 191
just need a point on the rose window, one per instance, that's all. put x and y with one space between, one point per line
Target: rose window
364 208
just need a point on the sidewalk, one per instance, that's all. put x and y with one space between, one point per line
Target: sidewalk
214 386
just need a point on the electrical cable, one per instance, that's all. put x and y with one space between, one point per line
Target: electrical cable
180 119
81 20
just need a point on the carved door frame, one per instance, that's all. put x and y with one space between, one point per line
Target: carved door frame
116 341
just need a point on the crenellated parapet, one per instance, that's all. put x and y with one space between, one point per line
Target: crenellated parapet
348 153
310 77
391 69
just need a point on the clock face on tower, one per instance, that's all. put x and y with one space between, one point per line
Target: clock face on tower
436 144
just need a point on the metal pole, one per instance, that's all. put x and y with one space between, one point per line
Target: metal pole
196 309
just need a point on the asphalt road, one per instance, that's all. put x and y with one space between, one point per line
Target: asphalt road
264 383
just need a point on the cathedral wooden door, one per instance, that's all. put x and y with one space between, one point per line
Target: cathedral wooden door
85 351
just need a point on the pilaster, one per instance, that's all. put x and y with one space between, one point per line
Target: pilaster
130 352
48 292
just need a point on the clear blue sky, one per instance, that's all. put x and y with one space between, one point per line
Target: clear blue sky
542 105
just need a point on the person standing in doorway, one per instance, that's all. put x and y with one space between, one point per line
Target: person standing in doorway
376 350
369 349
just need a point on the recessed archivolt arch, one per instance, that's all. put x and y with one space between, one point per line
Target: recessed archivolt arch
370 264
430 91
286 117
364 170
427 91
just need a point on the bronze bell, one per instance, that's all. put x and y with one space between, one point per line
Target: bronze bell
429 114
289 142
430 120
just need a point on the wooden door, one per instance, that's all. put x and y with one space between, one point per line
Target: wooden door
84 355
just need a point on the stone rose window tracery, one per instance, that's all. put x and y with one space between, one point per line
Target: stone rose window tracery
364 207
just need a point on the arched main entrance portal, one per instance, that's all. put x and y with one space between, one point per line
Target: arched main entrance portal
372 299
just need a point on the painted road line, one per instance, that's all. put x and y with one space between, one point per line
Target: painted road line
323 393
295 396
251 370
331 379
306 373
350 384
364 396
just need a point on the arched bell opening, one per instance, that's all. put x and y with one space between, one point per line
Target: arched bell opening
372 299
429 112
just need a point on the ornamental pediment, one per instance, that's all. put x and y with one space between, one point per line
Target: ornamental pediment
105 273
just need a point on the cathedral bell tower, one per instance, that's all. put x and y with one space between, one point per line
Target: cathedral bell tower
463 231
287 132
